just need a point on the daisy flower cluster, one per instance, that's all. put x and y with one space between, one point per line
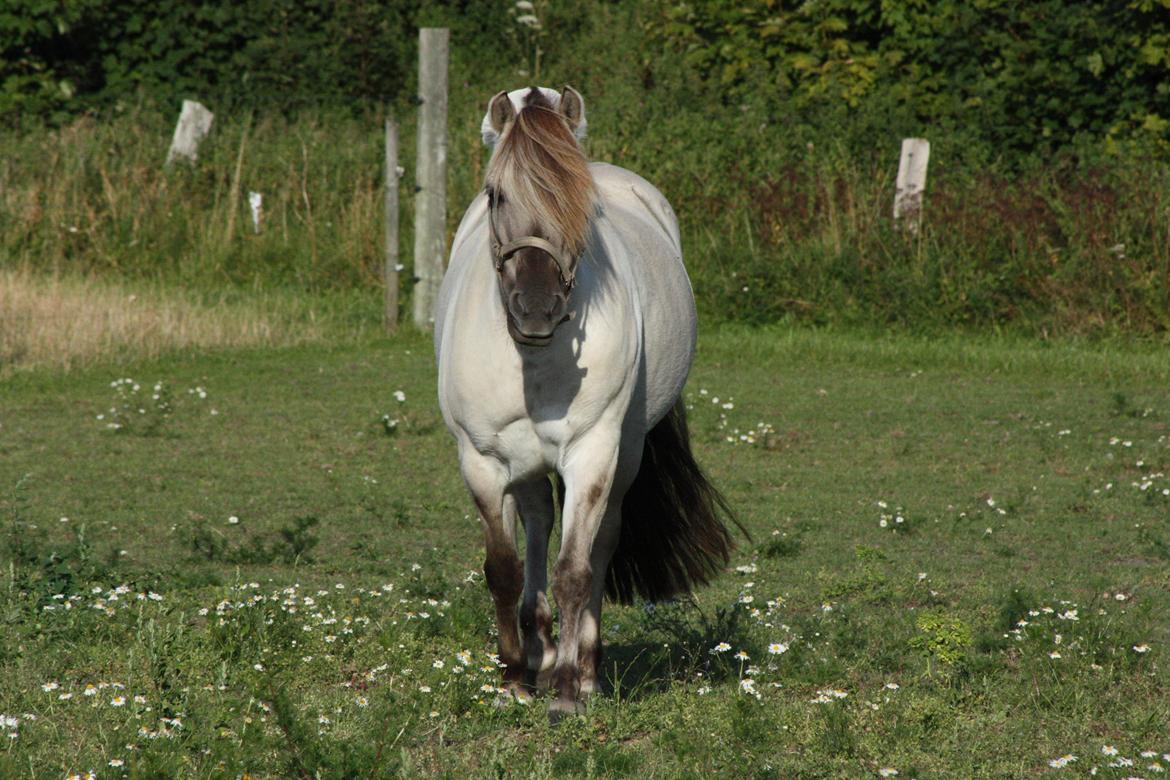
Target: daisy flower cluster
761 434
1144 473
103 601
1151 762
766 670
275 630
1063 631
893 520
143 410
122 712
1151 481
391 421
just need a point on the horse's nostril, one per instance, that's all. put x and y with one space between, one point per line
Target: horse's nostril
558 303
517 303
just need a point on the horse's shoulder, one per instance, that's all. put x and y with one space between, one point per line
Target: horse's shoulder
474 219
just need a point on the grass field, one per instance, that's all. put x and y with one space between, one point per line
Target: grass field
959 567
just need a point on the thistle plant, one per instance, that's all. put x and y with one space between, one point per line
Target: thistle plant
531 32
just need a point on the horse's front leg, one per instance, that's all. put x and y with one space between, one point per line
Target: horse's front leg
588 475
535 502
589 636
605 542
487 481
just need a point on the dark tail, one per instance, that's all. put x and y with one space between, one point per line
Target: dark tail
673 537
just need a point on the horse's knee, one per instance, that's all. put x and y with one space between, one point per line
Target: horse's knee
505 578
572 584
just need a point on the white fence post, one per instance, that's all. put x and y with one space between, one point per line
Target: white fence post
256 204
911 182
390 206
194 125
430 211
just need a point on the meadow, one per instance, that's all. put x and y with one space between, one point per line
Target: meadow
261 562
234 542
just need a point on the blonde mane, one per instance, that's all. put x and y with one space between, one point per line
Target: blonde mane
539 166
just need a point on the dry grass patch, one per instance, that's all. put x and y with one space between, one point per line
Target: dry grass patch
70 322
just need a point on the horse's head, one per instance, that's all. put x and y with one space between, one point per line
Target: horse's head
540 199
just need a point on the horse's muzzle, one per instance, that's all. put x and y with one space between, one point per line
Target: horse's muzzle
533 319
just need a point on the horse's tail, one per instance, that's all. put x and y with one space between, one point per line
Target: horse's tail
672 536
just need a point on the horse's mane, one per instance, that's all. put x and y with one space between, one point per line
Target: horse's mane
540 167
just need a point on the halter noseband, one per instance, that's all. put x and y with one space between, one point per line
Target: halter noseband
566 264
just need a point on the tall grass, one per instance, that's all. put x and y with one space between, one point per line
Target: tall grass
776 227
93 196
1063 250
67 322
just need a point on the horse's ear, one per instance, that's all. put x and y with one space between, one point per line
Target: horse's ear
572 107
501 111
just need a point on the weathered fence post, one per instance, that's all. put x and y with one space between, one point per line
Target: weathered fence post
193 126
390 269
430 210
911 182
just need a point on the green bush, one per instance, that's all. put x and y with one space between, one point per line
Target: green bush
275 55
1020 76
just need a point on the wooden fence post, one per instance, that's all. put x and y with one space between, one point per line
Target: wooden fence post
193 126
430 211
390 269
911 182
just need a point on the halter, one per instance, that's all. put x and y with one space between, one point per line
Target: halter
566 264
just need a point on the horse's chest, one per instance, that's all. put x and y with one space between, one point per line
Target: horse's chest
527 420
528 448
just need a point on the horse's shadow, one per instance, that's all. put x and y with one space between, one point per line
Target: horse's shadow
675 643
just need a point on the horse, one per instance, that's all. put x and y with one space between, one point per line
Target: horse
564 331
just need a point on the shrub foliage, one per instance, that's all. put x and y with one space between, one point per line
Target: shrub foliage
1020 75
59 58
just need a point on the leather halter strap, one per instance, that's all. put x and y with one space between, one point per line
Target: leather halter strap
566 265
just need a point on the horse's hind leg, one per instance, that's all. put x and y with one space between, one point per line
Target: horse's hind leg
535 502
486 480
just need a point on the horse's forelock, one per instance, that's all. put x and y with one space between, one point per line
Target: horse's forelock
542 169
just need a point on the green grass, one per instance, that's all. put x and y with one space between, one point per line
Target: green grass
1013 465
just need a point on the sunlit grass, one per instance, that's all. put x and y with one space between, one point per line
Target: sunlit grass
270 579
68 322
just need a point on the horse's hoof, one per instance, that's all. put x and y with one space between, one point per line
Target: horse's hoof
543 680
560 708
513 694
